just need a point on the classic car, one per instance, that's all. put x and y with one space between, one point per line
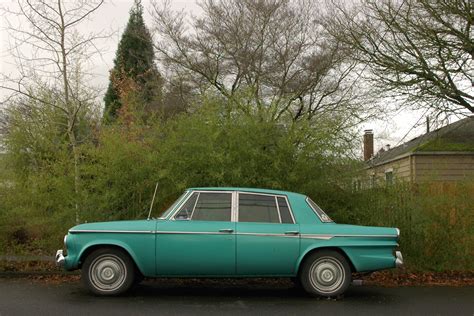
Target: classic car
230 232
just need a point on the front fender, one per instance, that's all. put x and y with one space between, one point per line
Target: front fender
142 252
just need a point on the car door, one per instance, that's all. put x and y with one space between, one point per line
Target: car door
268 240
199 239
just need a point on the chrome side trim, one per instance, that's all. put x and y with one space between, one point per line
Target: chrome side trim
310 236
224 233
268 235
111 231
164 232
314 236
329 236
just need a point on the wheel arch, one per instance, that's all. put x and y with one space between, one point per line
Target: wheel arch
87 250
311 251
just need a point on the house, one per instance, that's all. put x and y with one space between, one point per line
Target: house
445 154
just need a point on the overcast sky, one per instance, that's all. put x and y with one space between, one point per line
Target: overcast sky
114 15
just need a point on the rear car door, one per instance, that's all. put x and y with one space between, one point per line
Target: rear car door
268 240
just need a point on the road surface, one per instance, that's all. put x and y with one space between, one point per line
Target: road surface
30 297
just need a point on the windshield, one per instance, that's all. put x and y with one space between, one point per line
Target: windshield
168 211
322 216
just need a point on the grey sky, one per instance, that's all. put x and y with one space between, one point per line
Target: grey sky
113 15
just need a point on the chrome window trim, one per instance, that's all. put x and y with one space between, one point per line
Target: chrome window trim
177 209
194 206
178 205
315 212
276 201
173 215
289 207
235 202
278 209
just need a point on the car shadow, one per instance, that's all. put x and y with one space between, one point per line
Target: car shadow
232 289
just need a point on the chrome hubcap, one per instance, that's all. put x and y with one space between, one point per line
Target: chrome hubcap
327 275
107 272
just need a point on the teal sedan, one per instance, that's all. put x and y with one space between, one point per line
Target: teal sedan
230 232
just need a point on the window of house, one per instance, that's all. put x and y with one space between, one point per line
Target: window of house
207 206
258 208
389 177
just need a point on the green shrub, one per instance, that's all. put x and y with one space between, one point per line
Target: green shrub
217 145
436 221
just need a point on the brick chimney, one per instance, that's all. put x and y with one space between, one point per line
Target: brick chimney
368 144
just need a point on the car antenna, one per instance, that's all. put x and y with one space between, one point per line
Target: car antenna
152 201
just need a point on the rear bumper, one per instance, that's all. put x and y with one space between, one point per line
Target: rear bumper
398 259
59 258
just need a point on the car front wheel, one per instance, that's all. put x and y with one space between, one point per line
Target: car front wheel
326 273
108 271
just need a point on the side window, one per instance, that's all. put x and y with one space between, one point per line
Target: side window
323 216
284 211
258 208
186 210
213 207
206 206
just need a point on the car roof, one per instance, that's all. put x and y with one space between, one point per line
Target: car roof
255 190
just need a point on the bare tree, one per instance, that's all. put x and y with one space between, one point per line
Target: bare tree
273 54
50 54
421 50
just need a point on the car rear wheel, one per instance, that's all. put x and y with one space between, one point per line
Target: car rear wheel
108 271
326 273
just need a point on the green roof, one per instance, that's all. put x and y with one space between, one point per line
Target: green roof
455 137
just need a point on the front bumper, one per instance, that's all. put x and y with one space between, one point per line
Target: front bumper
59 258
399 259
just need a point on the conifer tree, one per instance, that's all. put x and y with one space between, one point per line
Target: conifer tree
134 68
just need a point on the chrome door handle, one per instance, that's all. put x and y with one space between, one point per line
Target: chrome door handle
294 232
226 230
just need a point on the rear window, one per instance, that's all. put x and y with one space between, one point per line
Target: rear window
284 211
258 208
322 216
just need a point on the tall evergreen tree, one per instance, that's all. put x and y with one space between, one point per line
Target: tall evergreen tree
133 67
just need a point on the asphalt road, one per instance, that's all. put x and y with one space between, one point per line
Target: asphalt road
26 297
